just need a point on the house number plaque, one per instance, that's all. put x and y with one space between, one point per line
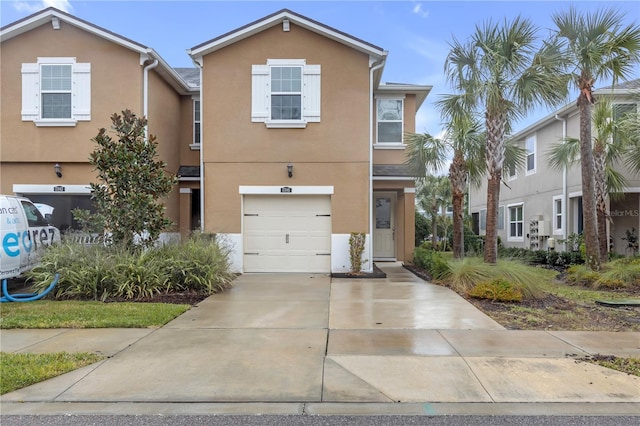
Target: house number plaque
286 189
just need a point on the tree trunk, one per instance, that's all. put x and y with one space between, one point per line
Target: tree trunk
458 225
590 222
599 159
458 180
491 238
434 229
495 124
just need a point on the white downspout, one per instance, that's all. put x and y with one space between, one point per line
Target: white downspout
199 66
145 95
565 201
371 104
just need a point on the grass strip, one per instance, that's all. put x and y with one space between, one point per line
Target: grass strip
77 314
21 370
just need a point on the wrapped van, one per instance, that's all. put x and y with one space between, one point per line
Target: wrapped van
23 233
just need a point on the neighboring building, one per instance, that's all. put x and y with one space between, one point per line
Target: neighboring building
62 78
284 139
539 204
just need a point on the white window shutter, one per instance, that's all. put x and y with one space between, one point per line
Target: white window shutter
260 93
311 101
82 91
30 92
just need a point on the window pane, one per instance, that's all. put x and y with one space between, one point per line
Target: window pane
383 213
196 110
56 77
389 109
531 162
286 79
56 105
196 133
286 107
389 132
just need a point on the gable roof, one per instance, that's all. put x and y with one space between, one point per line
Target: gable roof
627 88
276 19
54 16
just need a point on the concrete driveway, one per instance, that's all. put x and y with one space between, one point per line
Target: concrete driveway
303 338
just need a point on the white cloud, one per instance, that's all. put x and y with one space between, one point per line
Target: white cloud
35 6
418 10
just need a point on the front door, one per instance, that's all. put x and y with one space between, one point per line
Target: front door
384 228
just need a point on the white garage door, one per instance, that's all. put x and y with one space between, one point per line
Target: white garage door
287 233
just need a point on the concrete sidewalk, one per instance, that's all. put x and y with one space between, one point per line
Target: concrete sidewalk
292 344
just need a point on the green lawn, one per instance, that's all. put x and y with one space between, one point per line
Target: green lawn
21 370
75 314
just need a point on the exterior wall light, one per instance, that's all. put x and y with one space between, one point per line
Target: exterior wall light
290 169
58 170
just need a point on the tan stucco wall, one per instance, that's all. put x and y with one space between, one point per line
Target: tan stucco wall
165 123
349 204
188 157
116 83
334 151
28 152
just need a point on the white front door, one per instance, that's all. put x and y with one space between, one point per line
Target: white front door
384 227
287 233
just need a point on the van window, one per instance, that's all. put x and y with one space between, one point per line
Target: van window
33 215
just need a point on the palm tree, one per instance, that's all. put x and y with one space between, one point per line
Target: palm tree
501 71
609 147
465 139
434 194
597 46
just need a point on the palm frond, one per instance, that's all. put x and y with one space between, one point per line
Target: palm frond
563 154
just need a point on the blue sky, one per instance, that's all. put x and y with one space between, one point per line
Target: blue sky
416 33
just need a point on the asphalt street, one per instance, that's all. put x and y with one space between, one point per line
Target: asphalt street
187 420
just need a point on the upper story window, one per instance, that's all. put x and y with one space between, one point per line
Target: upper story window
530 145
196 123
621 111
285 93
390 113
56 92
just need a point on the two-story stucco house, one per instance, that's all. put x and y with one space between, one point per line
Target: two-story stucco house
539 204
283 137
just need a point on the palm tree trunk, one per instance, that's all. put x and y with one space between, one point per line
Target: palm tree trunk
588 180
458 180
599 159
458 225
495 126
434 229
491 238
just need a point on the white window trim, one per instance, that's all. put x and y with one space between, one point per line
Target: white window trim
509 222
535 155
556 198
194 145
390 145
310 94
32 94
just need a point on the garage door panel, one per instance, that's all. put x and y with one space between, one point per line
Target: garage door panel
287 233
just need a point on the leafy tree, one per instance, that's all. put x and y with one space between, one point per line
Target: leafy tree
422 229
130 182
597 46
502 73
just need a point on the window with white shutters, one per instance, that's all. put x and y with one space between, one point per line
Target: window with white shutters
56 92
285 93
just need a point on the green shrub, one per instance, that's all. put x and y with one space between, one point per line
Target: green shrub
200 264
497 290
472 242
470 271
581 274
431 261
